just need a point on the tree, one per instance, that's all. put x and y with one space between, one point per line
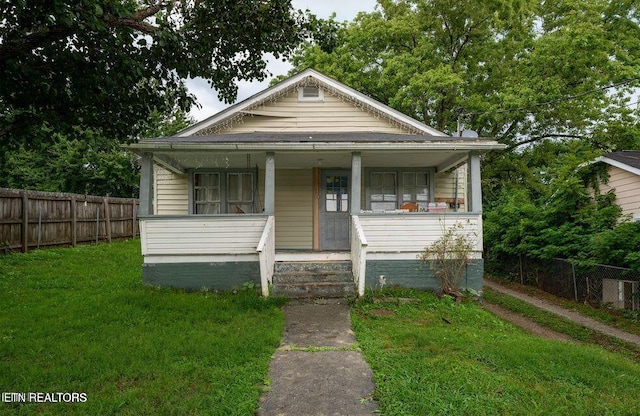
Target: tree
72 65
522 72
85 162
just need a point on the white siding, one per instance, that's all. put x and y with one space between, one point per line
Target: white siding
288 115
196 235
294 209
445 186
413 232
627 189
171 196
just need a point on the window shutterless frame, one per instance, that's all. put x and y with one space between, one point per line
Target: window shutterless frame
238 200
377 186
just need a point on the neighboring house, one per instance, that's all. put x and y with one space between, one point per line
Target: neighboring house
624 179
623 169
308 171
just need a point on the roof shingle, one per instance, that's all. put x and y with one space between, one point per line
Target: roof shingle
628 157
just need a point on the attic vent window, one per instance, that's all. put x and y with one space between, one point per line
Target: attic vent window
310 93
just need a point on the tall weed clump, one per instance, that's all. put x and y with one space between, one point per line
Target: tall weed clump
449 256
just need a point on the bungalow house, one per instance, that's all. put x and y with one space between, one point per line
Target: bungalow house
303 184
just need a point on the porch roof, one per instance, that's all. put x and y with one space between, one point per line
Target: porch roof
304 150
312 140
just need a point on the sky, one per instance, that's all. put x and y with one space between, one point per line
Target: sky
207 97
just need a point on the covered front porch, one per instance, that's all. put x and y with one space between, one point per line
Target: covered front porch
309 201
219 252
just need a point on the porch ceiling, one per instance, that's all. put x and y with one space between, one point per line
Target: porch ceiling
183 160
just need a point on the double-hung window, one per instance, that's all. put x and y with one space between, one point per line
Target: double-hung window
223 192
239 193
415 187
207 195
391 188
383 190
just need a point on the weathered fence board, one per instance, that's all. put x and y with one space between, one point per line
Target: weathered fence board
32 219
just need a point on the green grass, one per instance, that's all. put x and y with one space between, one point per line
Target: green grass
80 320
617 318
563 325
435 357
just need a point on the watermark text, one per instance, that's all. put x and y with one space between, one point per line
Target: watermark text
40 397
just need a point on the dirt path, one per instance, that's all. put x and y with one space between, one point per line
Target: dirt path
560 311
526 323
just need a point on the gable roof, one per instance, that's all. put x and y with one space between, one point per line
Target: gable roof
218 122
628 160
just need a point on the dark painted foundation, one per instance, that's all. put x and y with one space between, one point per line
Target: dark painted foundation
416 274
232 275
199 276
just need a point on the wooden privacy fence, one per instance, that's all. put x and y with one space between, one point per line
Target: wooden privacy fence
33 219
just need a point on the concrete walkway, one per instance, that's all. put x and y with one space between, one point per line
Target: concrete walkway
565 313
316 371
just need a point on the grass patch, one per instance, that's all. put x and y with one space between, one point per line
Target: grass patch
437 357
563 325
80 320
617 318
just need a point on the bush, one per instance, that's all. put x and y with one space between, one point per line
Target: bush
450 255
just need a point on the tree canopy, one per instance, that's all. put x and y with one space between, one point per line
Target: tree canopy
78 78
71 65
520 71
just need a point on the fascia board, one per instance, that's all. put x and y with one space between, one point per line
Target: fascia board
618 164
346 146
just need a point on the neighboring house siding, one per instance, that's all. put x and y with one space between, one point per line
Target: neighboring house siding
171 196
626 186
288 115
294 209
445 186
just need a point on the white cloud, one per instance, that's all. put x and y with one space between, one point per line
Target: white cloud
208 98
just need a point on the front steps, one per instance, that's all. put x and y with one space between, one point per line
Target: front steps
318 279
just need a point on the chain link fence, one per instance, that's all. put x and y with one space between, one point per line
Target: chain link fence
597 285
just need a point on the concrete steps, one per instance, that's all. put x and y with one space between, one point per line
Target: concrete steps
325 279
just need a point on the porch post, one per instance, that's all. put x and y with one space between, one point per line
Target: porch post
474 183
146 185
356 182
270 184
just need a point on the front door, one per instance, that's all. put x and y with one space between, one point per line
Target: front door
334 210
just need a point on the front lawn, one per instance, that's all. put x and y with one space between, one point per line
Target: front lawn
79 320
435 357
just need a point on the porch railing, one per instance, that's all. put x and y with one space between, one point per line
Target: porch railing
267 255
201 235
358 254
412 232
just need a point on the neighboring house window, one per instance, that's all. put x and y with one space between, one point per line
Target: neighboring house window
220 193
390 189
